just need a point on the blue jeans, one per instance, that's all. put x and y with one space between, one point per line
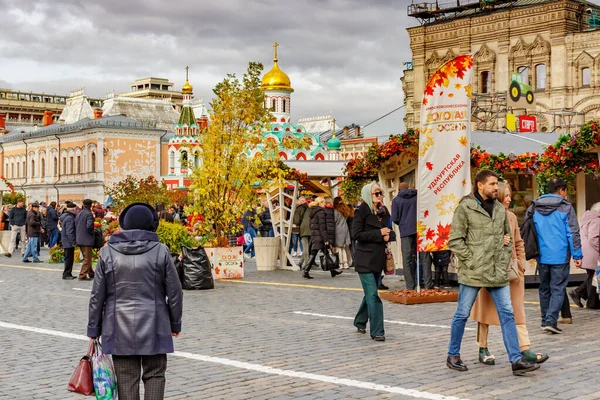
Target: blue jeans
52 237
553 285
501 298
250 246
295 241
32 249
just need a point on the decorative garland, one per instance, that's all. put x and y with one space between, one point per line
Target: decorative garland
10 185
565 159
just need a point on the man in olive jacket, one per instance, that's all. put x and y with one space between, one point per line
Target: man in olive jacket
480 237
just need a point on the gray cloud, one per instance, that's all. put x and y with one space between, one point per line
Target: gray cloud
343 56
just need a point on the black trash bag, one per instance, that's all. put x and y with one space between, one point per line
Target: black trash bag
197 274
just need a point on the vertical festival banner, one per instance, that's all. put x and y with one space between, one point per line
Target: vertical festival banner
444 151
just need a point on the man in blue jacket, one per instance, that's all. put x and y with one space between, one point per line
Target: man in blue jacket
404 214
52 225
558 239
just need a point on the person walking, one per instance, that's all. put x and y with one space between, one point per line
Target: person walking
34 229
371 230
266 224
480 237
84 235
404 214
302 219
342 233
322 235
483 310
136 304
67 223
52 225
558 239
249 232
17 219
296 239
590 246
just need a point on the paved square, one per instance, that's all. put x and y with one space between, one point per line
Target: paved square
277 336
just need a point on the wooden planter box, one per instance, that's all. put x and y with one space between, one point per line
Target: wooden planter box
226 262
425 296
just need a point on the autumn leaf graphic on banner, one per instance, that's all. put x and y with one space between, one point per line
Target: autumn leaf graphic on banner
444 151
447 204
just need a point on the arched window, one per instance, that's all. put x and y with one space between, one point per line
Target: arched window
78 164
273 104
64 165
486 82
55 170
93 166
540 76
43 167
586 77
284 105
184 159
71 165
24 171
32 168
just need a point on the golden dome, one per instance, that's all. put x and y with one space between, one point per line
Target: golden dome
276 79
187 88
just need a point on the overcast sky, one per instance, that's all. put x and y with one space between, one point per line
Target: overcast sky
342 56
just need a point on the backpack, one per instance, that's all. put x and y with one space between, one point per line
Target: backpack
529 235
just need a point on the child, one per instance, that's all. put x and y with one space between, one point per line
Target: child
441 260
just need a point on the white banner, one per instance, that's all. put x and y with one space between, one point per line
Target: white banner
444 151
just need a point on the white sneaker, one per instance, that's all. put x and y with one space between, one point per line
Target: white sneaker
294 254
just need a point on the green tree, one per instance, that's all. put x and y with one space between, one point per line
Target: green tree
134 190
224 185
12 197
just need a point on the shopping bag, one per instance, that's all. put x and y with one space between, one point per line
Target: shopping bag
81 381
197 272
390 267
329 260
105 380
98 239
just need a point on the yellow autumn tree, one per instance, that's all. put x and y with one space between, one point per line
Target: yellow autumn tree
224 185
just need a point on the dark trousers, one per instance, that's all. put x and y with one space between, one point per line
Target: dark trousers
86 266
553 284
408 246
371 307
151 369
588 292
565 310
69 258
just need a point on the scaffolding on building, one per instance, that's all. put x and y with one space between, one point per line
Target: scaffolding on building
435 11
563 120
488 111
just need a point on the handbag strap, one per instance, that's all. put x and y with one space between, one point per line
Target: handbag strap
90 351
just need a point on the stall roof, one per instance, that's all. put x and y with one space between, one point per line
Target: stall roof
319 168
517 143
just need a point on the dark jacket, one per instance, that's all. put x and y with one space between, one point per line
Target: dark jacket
404 212
84 228
369 252
265 220
302 219
51 219
330 221
558 230
18 216
67 223
136 299
318 228
34 224
248 220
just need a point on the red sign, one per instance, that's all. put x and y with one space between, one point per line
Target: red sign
527 123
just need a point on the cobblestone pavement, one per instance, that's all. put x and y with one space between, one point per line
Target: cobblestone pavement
249 341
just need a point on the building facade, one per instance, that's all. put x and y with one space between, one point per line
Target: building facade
554 45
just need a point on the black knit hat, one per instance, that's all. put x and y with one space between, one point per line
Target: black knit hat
139 216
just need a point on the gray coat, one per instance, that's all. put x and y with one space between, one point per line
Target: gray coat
67 223
84 228
342 233
590 239
136 301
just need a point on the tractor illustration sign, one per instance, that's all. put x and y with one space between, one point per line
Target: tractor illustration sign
520 94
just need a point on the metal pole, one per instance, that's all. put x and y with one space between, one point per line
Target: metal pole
418 275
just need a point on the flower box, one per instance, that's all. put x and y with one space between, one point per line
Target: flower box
422 297
226 262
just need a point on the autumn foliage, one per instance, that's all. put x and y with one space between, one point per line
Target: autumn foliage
143 190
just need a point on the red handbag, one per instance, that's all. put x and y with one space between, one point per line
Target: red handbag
82 381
